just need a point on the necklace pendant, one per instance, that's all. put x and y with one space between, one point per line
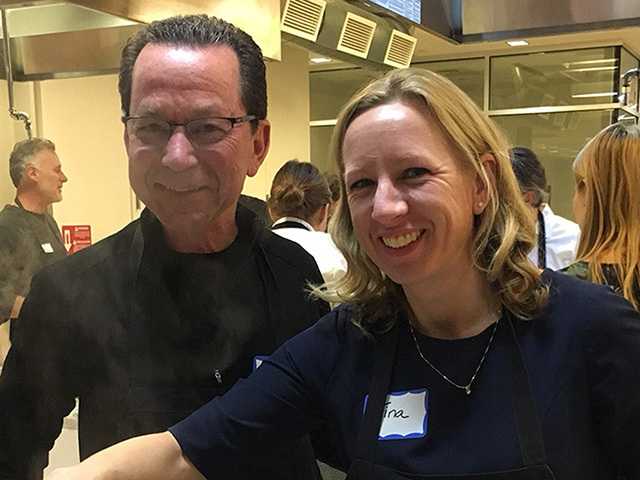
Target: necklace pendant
468 389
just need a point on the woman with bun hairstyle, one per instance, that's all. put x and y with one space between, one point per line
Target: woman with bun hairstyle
299 205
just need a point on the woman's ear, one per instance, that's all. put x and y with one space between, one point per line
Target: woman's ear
481 191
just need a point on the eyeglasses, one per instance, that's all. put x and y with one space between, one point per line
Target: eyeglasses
202 132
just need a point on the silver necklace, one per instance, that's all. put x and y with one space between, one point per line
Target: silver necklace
467 387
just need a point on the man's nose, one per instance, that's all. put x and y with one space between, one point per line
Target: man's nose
389 202
64 177
179 153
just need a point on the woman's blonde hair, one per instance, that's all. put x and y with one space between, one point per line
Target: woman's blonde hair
608 172
504 232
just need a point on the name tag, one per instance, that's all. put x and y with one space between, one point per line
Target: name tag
257 361
47 248
405 415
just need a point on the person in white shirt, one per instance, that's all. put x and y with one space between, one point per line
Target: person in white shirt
557 236
299 205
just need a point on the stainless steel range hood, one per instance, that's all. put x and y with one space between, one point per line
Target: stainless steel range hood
84 37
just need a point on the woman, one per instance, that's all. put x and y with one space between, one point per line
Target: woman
557 237
299 207
452 355
606 204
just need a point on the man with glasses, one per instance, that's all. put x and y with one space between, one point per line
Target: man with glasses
152 322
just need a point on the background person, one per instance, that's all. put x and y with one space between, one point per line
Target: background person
151 323
29 236
299 205
557 237
453 355
606 204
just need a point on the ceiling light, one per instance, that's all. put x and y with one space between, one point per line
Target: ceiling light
594 95
591 69
517 43
319 60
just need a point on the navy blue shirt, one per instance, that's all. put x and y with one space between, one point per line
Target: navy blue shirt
582 354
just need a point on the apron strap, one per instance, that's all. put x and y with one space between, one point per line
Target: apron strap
542 242
526 417
385 354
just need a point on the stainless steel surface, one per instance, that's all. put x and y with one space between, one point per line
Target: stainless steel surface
85 37
625 85
491 19
15 114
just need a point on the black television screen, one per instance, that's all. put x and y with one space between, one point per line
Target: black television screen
407 8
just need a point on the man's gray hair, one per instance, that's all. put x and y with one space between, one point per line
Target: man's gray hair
22 154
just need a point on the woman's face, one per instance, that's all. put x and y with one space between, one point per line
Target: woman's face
412 204
579 194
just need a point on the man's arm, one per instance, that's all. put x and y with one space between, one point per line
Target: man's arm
37 384
149 457
17 306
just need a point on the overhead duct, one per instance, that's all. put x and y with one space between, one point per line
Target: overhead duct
356 35
303 18
486 20
400 49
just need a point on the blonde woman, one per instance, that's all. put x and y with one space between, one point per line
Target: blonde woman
452 355
606 204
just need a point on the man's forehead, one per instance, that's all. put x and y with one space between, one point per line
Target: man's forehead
178 57
163 69
46 156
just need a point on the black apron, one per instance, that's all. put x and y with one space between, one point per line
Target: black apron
542 242
529 432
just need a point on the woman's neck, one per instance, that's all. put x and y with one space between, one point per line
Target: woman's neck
459 307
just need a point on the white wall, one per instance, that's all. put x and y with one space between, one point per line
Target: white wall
288 93
82 117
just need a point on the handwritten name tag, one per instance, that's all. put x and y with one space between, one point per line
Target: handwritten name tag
47 248
405 415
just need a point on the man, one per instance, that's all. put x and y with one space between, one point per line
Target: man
29 236
557 236
152 322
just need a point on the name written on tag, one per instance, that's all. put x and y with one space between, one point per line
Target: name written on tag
405 415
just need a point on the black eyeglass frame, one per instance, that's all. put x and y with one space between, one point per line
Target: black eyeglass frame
234 121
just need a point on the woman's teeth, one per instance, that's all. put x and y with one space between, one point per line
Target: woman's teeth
400 240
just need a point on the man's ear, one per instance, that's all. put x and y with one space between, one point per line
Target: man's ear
481 192
261 143
31 172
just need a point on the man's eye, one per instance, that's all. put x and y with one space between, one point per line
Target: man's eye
206 129
415 172
360 184
152 127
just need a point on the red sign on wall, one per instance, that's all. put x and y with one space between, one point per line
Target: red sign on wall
76 237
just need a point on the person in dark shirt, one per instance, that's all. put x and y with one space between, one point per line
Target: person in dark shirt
606 204
453 356
29 236
154 321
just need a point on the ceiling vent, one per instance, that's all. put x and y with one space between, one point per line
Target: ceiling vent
356 36
303 18
400 49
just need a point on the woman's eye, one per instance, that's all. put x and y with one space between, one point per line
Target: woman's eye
415 172
359 184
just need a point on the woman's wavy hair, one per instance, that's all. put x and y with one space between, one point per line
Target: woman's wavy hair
504 232
608 173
